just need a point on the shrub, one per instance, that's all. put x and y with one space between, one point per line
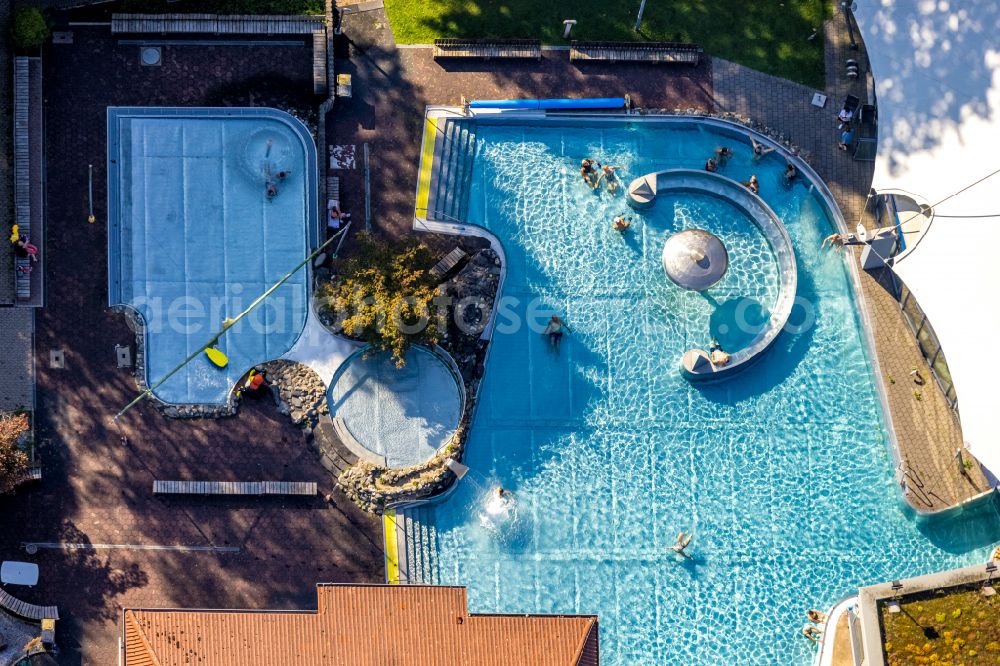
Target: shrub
13 461
30 28
384 296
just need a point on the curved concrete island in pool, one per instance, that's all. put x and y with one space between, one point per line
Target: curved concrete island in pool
696 364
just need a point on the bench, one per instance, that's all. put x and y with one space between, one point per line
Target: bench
216 24
653 52
31 474
234 487
449 261
27 611
28 151
488 48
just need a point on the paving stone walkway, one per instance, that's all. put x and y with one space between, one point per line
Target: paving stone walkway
7 150
17 372
927 430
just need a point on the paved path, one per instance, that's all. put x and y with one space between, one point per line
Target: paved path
17 376
7 150
927 429
321 350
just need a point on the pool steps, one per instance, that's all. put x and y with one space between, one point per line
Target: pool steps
454 156
411 545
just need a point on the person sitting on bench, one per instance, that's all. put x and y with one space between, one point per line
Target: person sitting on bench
334 216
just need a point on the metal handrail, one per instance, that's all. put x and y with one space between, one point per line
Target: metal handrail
441 213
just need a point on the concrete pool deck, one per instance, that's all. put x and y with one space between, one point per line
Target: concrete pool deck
394 85
927 430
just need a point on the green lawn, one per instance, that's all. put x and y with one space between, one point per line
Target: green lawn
768 35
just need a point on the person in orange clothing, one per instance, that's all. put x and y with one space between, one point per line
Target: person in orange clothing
255 384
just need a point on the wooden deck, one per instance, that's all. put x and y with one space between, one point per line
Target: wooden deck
26 610
234 487
652 52
487 49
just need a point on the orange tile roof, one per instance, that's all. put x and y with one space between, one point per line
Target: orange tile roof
361 625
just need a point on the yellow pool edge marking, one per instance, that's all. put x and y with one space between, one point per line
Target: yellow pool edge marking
391 547
426 162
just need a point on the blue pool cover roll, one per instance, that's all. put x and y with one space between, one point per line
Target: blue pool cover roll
535 104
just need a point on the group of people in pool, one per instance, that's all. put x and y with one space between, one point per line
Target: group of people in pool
593 173
813 629
758 151
271 180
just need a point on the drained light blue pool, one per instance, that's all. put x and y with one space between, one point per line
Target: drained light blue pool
783 473
402 414
193 237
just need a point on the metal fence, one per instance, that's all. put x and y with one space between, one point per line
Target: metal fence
927 340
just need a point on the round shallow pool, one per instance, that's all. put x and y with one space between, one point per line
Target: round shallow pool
402 414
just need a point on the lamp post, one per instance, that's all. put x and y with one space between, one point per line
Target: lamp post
638 19
90 193
848 6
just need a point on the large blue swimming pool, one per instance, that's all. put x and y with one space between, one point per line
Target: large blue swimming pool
783 473
194 237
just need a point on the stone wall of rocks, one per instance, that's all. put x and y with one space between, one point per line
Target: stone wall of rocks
298 391
473 291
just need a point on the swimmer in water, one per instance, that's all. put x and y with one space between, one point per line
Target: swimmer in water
683 541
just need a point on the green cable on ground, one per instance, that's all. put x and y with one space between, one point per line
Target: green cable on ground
228 323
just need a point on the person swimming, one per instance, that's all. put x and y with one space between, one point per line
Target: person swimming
683 541
587 171
816 617
838 240
791 173
753 184
608 172
621 223
555 331
812 633
722 155
711 166
499 509
716 354
759 149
